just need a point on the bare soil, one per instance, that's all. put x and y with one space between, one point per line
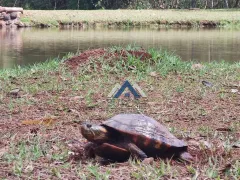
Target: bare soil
97 53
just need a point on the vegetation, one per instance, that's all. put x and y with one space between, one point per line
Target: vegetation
122 4
205 117
123 18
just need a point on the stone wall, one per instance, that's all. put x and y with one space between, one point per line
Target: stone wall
10 17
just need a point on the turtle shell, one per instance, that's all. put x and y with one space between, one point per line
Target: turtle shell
148 134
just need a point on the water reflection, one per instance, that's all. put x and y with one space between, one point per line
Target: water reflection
27 46
11 46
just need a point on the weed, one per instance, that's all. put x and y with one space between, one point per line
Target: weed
175 97
97 174
132 17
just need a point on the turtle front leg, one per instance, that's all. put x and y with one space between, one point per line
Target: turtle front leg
136 151
89 150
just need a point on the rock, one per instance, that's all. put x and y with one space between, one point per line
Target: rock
147 161
12 25
6 17
19 24
2 9
14 15
2 23
1 16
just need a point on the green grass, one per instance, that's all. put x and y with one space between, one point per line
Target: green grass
132 17
176 98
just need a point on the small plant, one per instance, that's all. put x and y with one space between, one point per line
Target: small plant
97 174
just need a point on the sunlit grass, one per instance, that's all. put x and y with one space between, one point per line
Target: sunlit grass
176 98
131 17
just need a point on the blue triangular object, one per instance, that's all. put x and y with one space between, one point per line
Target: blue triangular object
123 87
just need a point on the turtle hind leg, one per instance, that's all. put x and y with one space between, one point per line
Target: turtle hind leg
186 157
136 151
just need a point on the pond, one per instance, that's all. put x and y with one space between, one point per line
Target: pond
30 45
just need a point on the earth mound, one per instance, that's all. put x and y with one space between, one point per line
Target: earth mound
84 57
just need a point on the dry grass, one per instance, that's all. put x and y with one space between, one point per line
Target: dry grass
131 17
205 117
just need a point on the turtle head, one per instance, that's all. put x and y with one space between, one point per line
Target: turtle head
94 133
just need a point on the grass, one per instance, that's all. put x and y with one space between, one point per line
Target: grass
176 98
133 17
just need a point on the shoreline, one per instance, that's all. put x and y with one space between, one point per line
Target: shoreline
131 18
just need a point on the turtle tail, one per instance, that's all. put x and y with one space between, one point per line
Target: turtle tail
186 156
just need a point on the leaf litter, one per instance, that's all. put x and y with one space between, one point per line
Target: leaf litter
212 137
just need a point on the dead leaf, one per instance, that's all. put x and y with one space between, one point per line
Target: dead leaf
225 168
205 144
151 103
236 145
233 85
15 93
223 129
234 90
208 84
55 147
48 121
193 143
77 98
77 113
3 151
197 66
153 74
201 143
63 78
29 168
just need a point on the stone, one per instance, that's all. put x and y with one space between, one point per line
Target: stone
6 17
148 161
2 23
14 15
19 24
1 16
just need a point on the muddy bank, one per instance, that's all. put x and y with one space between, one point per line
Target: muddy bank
160 23
156 24
130 18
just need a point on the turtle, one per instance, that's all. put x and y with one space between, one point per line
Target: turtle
132 135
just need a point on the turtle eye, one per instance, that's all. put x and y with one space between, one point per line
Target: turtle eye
89 125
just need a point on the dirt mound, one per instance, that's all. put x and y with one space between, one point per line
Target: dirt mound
84 57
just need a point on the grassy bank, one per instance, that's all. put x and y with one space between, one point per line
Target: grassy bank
178 18
207 118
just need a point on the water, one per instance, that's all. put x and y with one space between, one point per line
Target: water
28 46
